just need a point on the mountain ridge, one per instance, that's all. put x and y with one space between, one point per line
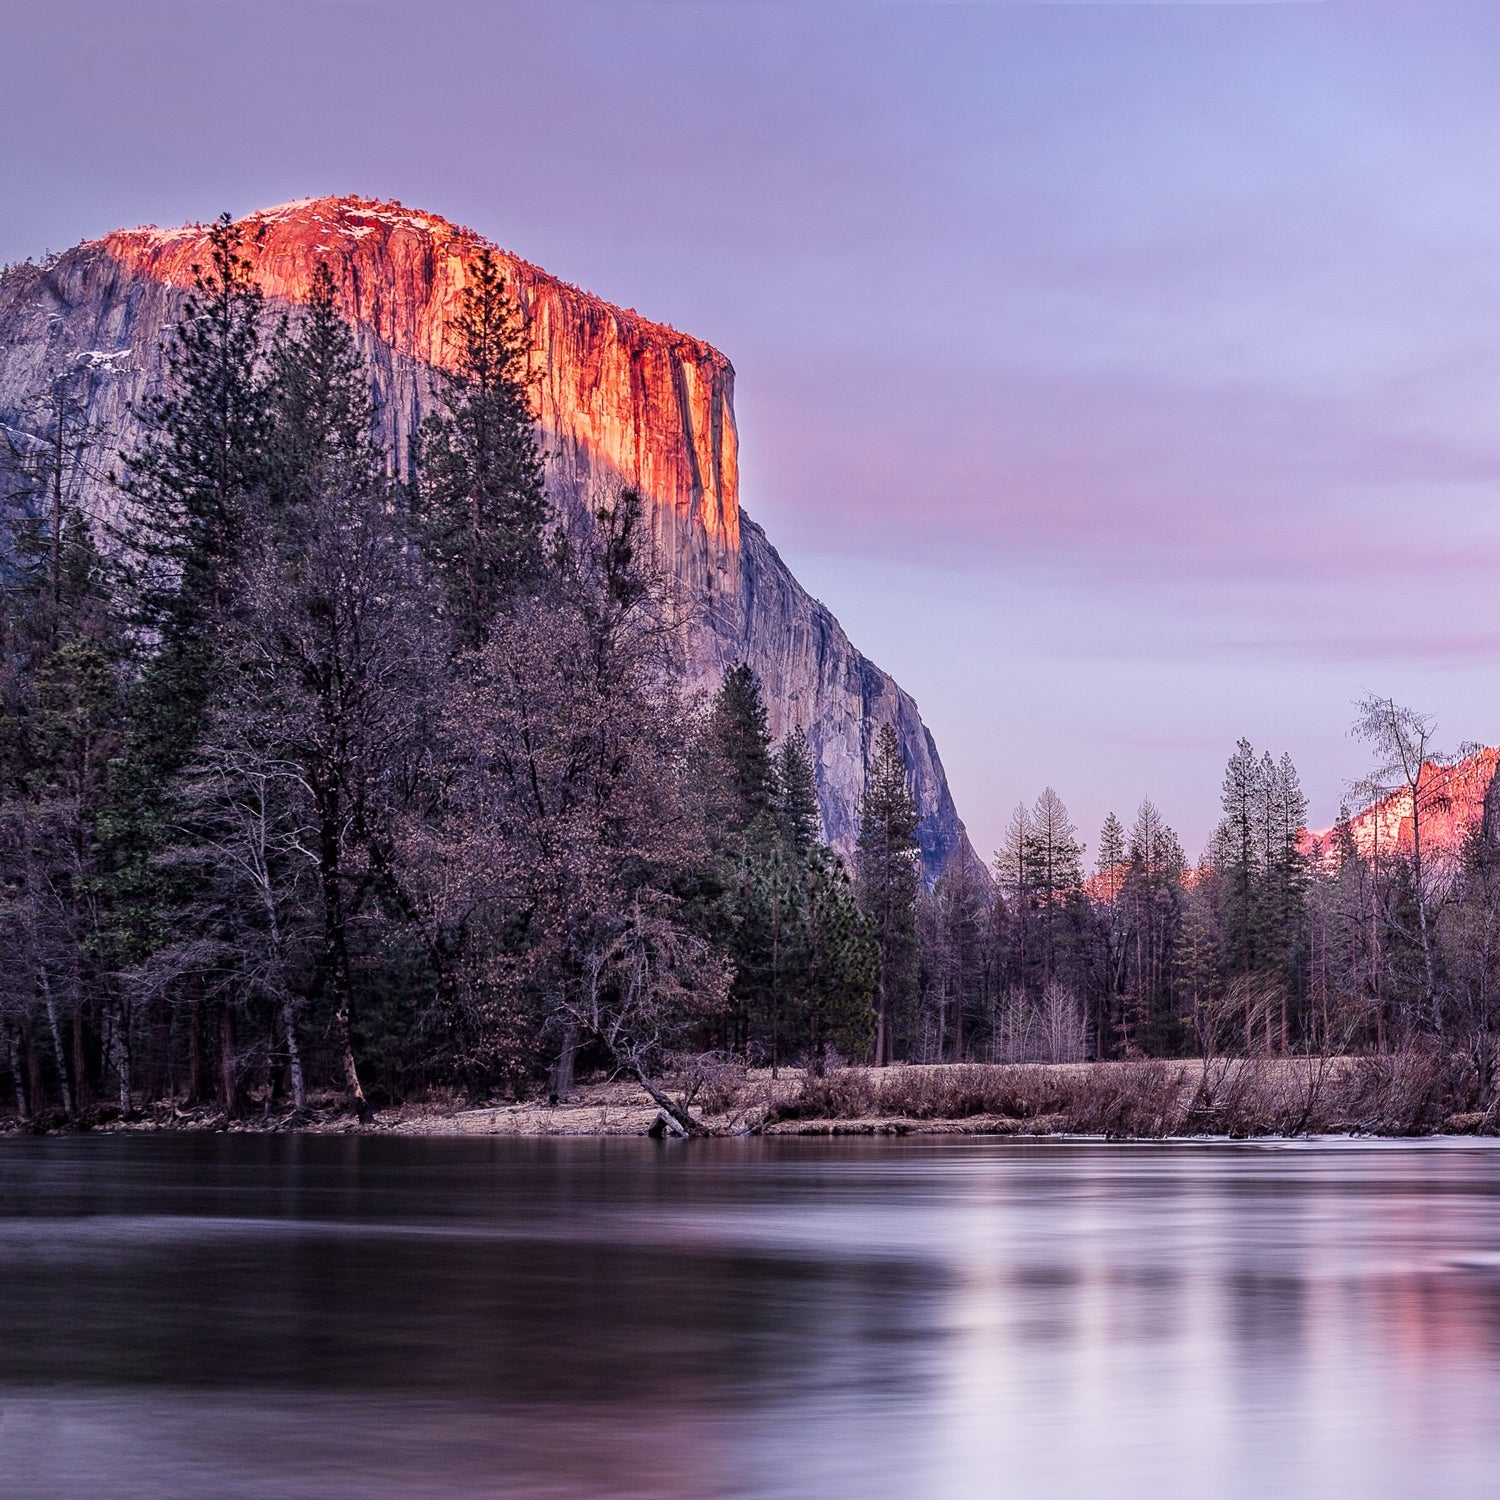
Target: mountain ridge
620 399
1454 799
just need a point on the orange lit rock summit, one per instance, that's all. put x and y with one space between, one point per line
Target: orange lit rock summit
620 400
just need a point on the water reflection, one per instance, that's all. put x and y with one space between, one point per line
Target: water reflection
239 1316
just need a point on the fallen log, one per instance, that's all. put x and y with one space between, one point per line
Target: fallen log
664 1125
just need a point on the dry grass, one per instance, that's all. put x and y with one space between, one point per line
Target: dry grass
1406 1094
1414 1093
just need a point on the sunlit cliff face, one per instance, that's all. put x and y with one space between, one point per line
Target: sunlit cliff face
1451 803
619 399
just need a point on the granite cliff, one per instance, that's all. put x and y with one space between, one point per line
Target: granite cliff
1455 800
619 399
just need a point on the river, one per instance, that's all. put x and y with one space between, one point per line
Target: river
274 1316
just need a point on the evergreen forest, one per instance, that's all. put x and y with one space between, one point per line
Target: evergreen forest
334 774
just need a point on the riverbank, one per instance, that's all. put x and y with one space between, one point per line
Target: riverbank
1408 1094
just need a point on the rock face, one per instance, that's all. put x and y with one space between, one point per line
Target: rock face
619 400
1454 799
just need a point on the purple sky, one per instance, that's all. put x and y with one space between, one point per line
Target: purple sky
1126 377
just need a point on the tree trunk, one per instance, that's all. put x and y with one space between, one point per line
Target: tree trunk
195 1053
57 1042
345 1038
34 1072
458 1023
776 987
80 1058
120 1054
293 1055
13 1053
335 949
229 1063
343 1006
690 1124
433 941
958 1016
567 1060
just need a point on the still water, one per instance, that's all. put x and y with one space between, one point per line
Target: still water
280 1317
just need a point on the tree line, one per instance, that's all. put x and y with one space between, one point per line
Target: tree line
327 775
1268 944
316 775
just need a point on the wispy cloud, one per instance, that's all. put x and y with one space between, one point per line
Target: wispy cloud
1124 374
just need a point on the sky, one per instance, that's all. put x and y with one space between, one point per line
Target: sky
1125 377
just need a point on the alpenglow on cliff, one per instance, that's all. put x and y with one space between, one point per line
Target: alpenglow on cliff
620 401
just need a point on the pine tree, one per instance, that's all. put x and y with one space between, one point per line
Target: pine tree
1196 965
1052 847
889 881
62 661
771 942
476 467
1235 845
741 736
1287 881
1262 877
1014 871
193 490
746 832
322 414
324 634
1152 898
45 462
1111 857
954 963
1472 923
1053 856
805 963
797 813
1013 867
193 485
836 982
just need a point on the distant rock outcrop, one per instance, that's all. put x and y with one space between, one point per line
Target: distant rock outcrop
1454 800
620 400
